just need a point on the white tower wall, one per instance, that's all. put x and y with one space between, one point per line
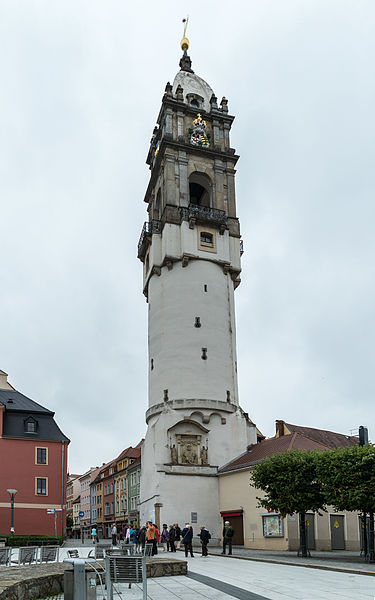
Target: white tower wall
176 298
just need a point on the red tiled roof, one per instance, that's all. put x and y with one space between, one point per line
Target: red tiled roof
328 438
266 448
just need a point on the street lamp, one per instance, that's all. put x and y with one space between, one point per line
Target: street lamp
12 493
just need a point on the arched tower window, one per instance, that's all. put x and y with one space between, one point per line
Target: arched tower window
200 189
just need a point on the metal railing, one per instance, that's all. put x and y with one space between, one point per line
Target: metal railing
205 213
149 228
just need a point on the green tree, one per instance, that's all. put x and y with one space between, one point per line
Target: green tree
348 482
290 484
69 521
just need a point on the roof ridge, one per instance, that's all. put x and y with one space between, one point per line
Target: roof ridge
319 429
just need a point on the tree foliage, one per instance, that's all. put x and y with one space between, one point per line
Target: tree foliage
347 476
289 482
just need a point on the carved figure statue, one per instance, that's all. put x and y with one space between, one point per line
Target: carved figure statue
189 455
204 457
174 457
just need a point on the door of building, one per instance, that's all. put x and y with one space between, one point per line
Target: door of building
310 530
237 524
337 532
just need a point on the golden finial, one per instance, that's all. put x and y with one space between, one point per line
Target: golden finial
185 41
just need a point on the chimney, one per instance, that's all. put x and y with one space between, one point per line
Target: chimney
4 385
279 428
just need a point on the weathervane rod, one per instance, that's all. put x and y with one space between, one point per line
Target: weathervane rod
185 41
185 21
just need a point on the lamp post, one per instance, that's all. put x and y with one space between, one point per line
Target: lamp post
12 493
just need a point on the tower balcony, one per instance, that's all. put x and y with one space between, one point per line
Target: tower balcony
204 214
148 229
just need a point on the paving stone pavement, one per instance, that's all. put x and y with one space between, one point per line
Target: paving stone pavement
260 575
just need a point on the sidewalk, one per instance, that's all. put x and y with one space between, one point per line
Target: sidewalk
343 561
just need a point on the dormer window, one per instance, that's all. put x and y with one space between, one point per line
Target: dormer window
30 425
195 101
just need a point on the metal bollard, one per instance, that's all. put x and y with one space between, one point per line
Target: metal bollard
79 584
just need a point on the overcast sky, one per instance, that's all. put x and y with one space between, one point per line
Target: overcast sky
81 86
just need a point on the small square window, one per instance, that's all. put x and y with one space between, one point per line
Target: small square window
207 238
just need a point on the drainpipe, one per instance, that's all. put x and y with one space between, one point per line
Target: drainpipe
62 487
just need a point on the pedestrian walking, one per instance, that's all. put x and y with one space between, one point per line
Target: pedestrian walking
129 535
114 534
93 535
156 540
172 537
205 537
150 536
227 537
164 538
187 539
142 536
177 536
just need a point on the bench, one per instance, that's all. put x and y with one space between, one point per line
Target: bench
49 554
5 555
125 569
26 555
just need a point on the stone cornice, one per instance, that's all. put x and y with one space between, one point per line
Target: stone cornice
191 404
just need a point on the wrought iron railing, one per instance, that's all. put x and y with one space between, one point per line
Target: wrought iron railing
241 247
204 212
149 228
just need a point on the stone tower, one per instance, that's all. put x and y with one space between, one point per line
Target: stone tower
190 248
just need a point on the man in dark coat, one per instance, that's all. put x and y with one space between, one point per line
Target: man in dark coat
205 538
178 536
187 538
227 537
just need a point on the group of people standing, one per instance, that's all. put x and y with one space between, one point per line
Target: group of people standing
171 537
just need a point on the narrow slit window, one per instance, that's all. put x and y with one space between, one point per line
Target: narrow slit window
204 353
205 287
152 364
197 322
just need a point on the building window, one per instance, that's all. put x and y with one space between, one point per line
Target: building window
30 425
41 486
111 488
272 526
41 457
207 238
